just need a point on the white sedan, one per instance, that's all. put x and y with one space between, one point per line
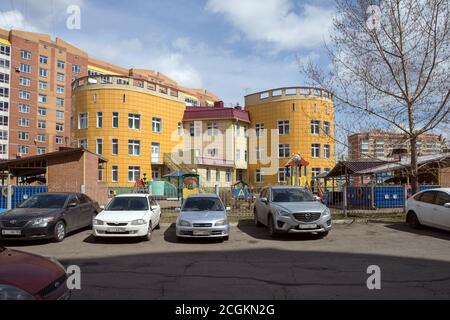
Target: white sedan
429 208
128 215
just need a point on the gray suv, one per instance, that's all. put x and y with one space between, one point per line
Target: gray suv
291 210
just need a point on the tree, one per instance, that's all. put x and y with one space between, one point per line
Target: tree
390 66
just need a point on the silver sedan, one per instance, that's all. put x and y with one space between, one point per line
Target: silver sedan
203 216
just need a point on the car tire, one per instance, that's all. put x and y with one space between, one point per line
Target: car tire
148 236
158 226
322 234
272 232
59 231
255 218
413 221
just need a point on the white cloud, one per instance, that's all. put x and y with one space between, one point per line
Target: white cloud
276 21
15 20
174 66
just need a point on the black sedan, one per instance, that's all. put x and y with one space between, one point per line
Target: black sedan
48 216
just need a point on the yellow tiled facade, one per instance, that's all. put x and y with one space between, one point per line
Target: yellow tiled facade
299 106
124 99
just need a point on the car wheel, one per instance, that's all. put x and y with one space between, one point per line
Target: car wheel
255 218
322 234
59 231
158 226
413 221
272 232
148 237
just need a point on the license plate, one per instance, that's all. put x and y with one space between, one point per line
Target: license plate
200 233
307 226
12 232
117 230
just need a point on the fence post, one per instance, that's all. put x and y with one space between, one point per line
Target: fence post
405 197
9 197
216 189
373 197
344 200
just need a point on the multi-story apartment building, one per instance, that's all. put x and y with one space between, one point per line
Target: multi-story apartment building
36 73
378 144
215 144
286 122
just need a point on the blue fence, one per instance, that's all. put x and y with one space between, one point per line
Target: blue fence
19 194
389 197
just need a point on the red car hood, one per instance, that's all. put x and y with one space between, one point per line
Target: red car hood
28 272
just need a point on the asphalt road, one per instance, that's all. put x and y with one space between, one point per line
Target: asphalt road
414 264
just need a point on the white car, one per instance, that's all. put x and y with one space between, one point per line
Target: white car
128 215
430 208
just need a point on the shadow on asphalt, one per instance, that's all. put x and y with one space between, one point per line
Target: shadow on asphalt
113 240
423 231
171 237
262 233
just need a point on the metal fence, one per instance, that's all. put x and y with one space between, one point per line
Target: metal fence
19 194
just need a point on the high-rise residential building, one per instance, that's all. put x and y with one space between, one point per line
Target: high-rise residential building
36 74
287 122
379 144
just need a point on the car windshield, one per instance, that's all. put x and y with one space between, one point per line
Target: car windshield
203 204
128 204
291 195
46 201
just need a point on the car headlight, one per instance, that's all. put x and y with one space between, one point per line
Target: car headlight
42 222
184 223
283 213
138 222
13 293
97 222
220 223
327 212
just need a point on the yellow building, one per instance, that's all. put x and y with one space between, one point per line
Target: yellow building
288 121
131 122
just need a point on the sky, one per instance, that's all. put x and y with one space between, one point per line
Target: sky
229 47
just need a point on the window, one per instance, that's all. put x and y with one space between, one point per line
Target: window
24 122
4 78
156 125
259 129
99 146
283 127
315 107
427 196
24 136
61 64
3 134
315 172
42 112
83 120
4 92
284 151
60 77
228 175
212 129
258 176
282 176
442 198
208 174
115 174
259 153
115 119
194 130
238 130
4 106
326 128
83 143
43 72
217 175
26 55
327 151
76 68
60 89
124 98
59 127
43 85
180 128
134 174
315 150
42 124
59 102
40 151
42 98
59 140
24 95
134 121
315 126
41 138
212 152
3 148
134 147
24 108
100 173
21 150
5 50
26 82
43 60
4 120
238 154
4 63
25 68
59 114
115 147
99 119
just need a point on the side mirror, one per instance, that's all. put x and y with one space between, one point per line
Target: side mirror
317 198
102 207
72 205
228 209
178 209
154 207
447 205
264 200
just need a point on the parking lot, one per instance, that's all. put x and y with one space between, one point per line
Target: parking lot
414 264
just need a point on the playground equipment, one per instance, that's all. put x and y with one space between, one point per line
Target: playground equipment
187 183
294 171
240 191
